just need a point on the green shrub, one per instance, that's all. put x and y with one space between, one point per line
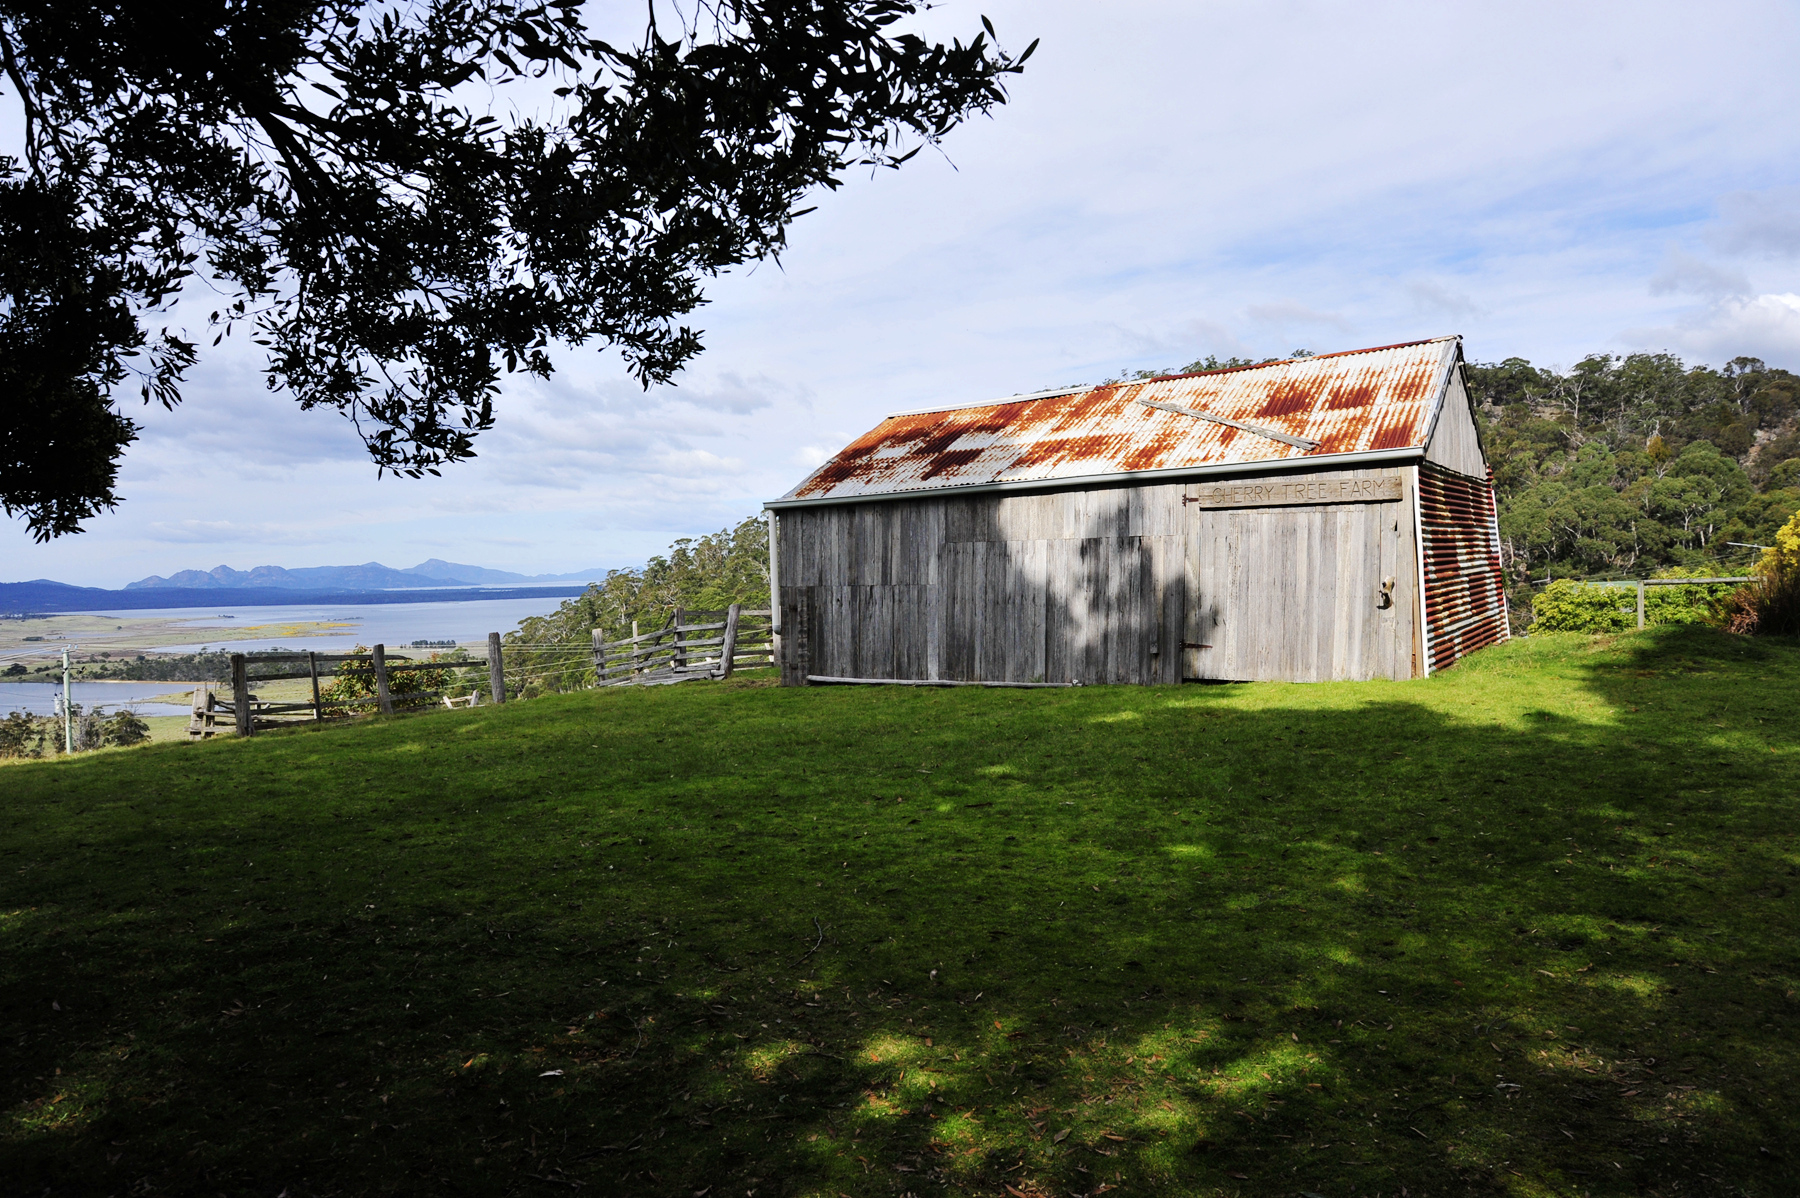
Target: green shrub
352 691
21 735
1770 606
125 729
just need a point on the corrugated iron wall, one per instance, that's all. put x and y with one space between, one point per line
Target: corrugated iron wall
1465 600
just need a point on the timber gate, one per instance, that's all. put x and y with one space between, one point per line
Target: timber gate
691 645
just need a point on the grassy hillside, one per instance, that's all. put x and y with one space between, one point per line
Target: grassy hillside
1526 928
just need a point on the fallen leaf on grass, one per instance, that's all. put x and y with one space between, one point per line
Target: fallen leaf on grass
1060 1136
551 1073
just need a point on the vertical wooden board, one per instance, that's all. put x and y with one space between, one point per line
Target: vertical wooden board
1196 610
900 522
1349 611
1317 593
1390 650
1202 598
906 605
1059 660
1097 614
1359 543
867 658
843 546
1062 517
1168 571
795 547
956 519
908 537
888 547
1008 602
1077 615
1039 637
1137 630
834 639
1020 604
956 642
866 541
935 590
818 547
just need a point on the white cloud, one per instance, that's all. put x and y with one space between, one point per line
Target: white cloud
1762 326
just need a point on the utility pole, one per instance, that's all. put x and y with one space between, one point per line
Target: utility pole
68 715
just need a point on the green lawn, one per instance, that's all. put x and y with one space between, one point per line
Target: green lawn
1526 928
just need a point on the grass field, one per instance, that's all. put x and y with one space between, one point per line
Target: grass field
1526 928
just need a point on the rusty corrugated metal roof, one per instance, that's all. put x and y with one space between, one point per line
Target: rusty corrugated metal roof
1355 402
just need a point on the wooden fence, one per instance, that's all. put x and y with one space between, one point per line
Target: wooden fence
686 648
683 649
247 713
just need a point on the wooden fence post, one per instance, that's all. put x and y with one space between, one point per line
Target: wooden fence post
1640 591
601 657
728 651
385 700
240 696
680 650
496 669
312 664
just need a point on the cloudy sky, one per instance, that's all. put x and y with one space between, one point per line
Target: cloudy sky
1170 180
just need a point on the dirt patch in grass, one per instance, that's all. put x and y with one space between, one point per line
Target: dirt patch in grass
1525 928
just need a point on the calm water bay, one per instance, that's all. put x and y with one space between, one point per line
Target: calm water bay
395 625
39 698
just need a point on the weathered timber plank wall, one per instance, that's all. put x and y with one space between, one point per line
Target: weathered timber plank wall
1101 585
1455 443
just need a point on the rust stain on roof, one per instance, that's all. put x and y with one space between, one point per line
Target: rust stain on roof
1358 400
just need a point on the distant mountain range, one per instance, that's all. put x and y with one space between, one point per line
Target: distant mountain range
370 576
47 595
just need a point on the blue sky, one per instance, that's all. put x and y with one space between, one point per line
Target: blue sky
1171 180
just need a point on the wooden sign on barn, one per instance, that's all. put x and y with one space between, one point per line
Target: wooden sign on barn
1322 518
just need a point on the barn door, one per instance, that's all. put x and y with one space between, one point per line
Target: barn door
1290 593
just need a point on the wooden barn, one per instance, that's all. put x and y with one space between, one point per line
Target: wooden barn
1322 518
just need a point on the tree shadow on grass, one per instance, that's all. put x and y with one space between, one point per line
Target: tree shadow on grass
1179 940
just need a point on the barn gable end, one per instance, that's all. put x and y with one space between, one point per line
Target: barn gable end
1455 444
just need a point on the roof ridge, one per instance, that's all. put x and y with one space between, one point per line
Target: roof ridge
1336 353
1161 378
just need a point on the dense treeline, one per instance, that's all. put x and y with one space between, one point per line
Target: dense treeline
1631 465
